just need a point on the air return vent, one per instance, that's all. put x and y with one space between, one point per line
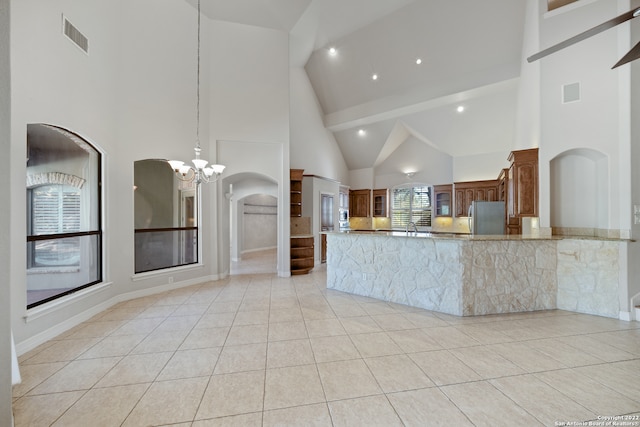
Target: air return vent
570 93
75 35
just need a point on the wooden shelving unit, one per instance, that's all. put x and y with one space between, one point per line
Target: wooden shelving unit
296 191
302 252
302 241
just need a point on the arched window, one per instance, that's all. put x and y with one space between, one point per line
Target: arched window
64 236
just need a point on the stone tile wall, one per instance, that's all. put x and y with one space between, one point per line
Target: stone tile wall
588 276
477 277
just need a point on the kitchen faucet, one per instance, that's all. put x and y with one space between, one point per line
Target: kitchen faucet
415 228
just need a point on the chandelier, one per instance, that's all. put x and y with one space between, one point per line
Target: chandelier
199 172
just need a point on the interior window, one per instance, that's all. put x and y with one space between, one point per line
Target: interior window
411 204
64 235
166 221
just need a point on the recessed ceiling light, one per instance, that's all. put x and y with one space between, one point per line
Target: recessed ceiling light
460 108
374 77
362 132
333 51
418 61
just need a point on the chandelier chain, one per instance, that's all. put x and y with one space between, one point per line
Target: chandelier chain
198 85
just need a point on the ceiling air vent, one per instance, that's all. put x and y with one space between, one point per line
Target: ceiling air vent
75 35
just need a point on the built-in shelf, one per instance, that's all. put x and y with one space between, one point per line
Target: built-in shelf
302 252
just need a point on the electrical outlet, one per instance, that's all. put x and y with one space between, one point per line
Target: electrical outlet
170 279
364 276
636 214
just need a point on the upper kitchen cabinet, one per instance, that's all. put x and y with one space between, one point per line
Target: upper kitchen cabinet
467 192
442 195
360 203
380 202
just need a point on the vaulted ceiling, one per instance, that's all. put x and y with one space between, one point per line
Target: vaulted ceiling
471 53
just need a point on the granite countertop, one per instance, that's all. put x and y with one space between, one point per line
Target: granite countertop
468 237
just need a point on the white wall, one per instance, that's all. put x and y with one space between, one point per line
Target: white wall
479 167
259 223
134 97
600 120
313 147
6 417
528 114
54 82
249 117
361 178
430 165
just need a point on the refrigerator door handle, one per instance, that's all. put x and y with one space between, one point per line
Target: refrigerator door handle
469 214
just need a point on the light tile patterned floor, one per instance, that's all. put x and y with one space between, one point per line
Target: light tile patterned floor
258 350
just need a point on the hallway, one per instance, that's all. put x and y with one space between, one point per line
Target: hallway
258 350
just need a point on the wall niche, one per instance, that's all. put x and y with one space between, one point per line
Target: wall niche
579 193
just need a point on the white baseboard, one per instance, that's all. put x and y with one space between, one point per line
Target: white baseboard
625 315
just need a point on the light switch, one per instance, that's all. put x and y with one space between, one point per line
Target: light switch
636 214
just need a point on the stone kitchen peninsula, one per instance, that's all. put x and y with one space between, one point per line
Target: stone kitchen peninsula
476 275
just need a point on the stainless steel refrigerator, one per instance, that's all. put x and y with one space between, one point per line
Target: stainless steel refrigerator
486 217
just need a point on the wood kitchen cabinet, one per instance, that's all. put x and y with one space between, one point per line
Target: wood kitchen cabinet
523 176
467 192
503 184
360 203
442 196
380 202
522 188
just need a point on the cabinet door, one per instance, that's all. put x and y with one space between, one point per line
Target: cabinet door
469 196
480 194
527 189
492 194
380 203
460 203
442 197
359 203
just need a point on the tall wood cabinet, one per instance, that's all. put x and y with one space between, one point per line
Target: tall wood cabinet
522 188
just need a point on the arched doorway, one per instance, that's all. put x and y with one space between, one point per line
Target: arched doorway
253 224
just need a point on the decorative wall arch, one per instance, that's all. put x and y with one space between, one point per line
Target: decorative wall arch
579 191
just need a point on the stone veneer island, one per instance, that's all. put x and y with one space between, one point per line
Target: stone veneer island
476 275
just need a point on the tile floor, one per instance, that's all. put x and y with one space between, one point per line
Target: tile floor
258 350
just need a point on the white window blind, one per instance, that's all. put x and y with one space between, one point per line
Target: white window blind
55 209
411 204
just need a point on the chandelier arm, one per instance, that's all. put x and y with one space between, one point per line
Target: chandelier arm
188 177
